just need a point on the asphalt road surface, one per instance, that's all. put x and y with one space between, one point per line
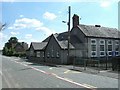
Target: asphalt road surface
17 73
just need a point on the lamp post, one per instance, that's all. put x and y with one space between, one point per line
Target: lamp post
68 23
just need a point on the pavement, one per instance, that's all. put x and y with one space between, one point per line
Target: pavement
106 73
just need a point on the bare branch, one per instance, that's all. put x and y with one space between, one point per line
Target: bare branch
2 26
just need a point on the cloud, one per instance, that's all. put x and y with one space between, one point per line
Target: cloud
7 1
28 23
105 3
28 36
14 33
2 36
59 12
21 16
46 30
34 40
21 40
49 16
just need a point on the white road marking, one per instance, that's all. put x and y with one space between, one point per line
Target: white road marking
51 68
61 78
75 72
8 84
70 71
89 85
54 74
76 83
67 71
105 70
16 59
11 80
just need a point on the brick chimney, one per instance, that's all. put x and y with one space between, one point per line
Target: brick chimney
75 20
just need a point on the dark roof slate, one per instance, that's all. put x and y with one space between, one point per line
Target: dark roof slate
39 45
62 40
64 44
105 32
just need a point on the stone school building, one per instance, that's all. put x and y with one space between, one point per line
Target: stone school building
86 41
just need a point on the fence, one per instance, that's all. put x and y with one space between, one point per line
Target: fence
97 64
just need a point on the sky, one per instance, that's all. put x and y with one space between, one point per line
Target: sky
33 21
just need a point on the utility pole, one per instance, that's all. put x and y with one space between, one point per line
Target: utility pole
69 12
106 52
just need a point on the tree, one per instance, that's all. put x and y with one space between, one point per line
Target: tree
9 46
4 51
13 40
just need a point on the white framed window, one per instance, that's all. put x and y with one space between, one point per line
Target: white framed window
93 48
93 41
117 47
57 55
48 54
52 54
31 52
102 47
93 53
38 54
43 54
109 53
117 53
109 47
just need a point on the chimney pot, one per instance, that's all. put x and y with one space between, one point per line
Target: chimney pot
97 26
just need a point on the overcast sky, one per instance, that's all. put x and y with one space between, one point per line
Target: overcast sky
34 21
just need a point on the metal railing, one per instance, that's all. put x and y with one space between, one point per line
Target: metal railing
97 64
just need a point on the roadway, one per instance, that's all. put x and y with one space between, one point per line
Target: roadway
17 73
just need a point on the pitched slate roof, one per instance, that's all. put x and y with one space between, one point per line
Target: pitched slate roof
47 39
93 31
64 44
39 45
62 38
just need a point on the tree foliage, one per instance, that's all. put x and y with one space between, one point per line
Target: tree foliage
13 40
8 49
